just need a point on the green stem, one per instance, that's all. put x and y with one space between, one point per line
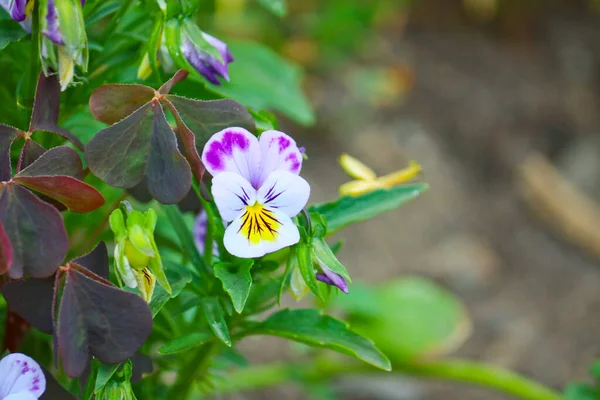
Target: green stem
197 366
457 370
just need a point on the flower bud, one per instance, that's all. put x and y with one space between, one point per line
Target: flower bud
188 45
119 386
137 260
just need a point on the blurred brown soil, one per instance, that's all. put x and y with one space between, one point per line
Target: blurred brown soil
482 98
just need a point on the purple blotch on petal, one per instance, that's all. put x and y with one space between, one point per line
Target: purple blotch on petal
225 147
53 29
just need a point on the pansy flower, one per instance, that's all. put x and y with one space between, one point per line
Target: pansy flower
257 189
21 378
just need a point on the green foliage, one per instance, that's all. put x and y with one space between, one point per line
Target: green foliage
261 79
237 283
315 329
351 209
410 318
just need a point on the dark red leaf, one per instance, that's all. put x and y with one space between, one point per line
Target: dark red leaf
51 174
35 230
7 135
32 300
168 85
30 152
58 161
100 320
188 142
168 173
6 251
46 107
96 261
76 195
142 144
119 154
205 118
113 103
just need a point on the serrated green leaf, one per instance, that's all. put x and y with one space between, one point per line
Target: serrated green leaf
237 284
261 79
213 312
186 342
350 209
310 327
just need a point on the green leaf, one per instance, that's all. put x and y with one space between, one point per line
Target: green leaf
184 234
310 327
178 278
409 318
277 7
10 31
105 372
237 284
580 391
261 79
213 312
186 342
350 209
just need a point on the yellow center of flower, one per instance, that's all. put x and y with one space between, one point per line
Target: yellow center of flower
259 224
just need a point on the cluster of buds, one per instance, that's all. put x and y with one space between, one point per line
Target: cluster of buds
119 385
63 41
183 44
137 261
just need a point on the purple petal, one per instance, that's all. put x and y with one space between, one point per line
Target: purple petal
52 30
200 228
20 374
17 10
331 278
233 150
278 152
206 64
220 46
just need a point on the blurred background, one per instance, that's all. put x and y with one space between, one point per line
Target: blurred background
498 100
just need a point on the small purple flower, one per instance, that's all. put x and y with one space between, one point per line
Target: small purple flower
52 30
331 278
200 228
16 8
207 64
21 378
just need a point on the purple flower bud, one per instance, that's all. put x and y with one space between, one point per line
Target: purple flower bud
52 30
205 63
16 8
331 278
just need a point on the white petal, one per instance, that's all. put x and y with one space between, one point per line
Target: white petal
232 193
284 192
239 243
278 151
21 375
233 150
21 396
